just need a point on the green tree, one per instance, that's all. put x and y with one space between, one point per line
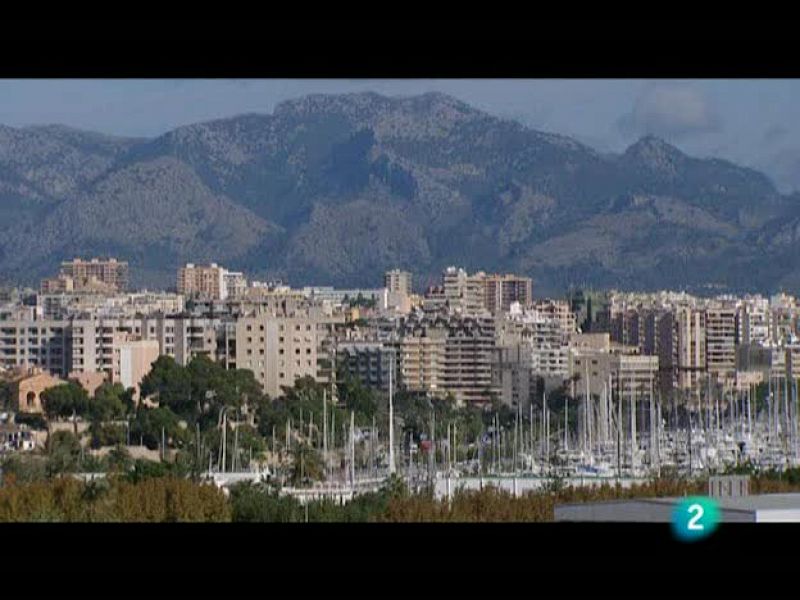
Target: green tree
111 401
63 453
65 400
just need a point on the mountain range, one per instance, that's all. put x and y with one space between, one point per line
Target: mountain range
335 189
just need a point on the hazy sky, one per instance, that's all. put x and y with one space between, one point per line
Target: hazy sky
752 122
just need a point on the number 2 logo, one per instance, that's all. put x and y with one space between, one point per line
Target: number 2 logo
698 512
695 518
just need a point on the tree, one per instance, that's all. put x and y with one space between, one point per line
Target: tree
6 396
65 400
119 459
149 424
111 401
63 453
197 392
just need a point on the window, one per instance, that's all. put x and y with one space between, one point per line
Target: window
308 350
297 327
280 351
281 375
249 328
297 350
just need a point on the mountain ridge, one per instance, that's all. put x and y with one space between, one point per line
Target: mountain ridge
333 189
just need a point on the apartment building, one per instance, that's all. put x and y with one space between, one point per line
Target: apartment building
33 343
544 330
279 349
463 292
65 305
481 292
109 272
501 291
398 282
513 376
721 344
370 362
203 281
133 359
234 284
618 370
448 354
87 345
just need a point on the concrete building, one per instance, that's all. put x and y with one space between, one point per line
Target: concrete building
27 386
281 349
133 359
87 345
463 292
379 296
544 331
110 273
501 291
449 353
618 370
234 284
204 281
64 305
514 377
398 281
370 362
721 344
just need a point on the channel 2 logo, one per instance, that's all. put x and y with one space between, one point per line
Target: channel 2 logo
695 519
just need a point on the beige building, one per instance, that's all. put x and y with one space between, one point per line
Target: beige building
281 349
480 292
133 359
110 273
398 281
463 292
27 387
204 281
89 381
721 344
87 345
619 370
501 291
448 354
61 284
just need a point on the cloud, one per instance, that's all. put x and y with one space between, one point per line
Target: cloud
672 112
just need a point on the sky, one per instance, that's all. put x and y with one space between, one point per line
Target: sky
755 123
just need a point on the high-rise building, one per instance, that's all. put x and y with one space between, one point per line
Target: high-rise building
133 359
281 349
397 281
203 281
110 272
448 354
501 291
721 343
369 362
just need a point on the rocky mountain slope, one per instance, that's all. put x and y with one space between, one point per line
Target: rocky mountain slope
336 189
